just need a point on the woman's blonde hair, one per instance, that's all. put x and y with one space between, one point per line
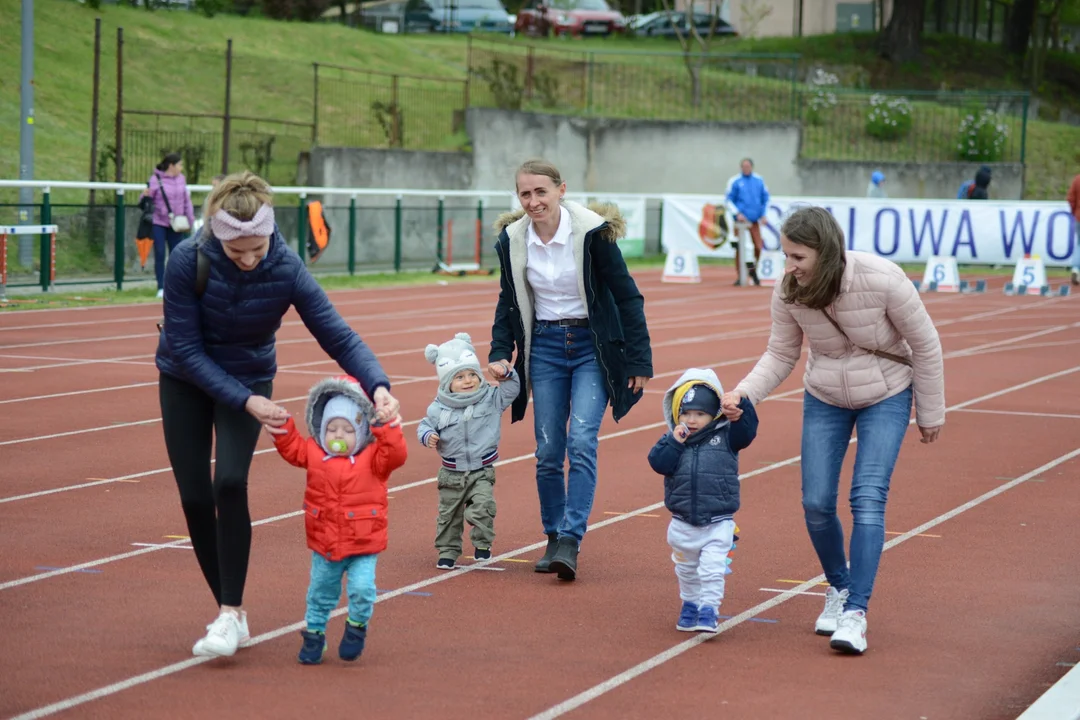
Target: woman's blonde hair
817 229
241 195
538 166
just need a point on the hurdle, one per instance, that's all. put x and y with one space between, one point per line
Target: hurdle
6 230
448 267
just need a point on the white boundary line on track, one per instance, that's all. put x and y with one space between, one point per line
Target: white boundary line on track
102 561
1021 414
78 392
673 652
597 690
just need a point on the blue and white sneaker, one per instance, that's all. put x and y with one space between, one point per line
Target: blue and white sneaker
688 617
707 620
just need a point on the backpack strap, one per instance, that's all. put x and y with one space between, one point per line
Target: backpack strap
880 353
202 268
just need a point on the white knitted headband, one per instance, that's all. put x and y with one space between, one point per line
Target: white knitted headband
226 227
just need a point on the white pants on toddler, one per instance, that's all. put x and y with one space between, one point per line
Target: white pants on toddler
700 557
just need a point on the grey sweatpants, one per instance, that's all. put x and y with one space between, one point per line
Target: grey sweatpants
465 496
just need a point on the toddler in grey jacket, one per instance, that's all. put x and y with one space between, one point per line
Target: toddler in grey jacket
464 424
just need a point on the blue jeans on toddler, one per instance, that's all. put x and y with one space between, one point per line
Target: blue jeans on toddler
826 434
325 589
568 389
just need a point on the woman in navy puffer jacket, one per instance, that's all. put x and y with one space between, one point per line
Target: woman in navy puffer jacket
217 361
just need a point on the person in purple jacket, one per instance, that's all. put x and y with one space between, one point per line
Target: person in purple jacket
168 187
217 362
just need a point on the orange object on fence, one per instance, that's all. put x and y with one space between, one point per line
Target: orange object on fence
144 246
319 231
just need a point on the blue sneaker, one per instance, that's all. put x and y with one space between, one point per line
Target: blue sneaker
707 620
311 653
352 642
688 617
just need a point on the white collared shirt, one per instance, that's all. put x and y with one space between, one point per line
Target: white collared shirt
552 273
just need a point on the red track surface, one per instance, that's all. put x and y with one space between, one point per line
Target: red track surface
970 617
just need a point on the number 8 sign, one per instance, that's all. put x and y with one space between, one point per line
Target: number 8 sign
770 267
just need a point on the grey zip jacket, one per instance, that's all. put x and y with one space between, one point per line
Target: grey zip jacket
469 436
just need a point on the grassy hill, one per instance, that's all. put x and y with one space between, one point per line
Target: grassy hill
174 62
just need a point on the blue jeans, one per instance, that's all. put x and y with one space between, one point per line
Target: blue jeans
163 236
826 434
325 589
1076 246
568 389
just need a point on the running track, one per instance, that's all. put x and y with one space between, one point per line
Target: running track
973 613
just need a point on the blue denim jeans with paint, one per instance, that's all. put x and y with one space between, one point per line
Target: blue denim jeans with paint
825 439
325 589
1076 246
569 400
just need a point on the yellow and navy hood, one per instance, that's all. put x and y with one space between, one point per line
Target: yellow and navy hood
675 394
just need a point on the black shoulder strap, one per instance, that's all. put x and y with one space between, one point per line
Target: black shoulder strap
202 267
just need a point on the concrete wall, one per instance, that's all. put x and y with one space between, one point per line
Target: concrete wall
640 156
594 155
836 178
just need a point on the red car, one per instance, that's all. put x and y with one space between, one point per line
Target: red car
569 17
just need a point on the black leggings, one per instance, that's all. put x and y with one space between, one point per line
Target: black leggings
217 512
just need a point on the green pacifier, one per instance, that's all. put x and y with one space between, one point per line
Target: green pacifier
338 446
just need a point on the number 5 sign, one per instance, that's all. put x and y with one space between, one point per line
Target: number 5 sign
942 272
1031 273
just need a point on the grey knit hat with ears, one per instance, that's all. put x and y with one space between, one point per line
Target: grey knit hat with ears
452 357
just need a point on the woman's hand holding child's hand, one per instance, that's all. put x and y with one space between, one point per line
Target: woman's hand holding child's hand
681 432
266 411
730 405
433 440
498 370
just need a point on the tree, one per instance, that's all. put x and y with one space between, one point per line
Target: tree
694 61
901 39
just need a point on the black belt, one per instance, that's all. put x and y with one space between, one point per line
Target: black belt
565 322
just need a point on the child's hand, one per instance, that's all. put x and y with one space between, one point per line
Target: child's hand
433 440
730 405
498 370
275 430
681 432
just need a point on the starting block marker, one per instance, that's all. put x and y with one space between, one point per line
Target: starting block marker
978 287
1029 277
1064 290
941 274
770 267
681 267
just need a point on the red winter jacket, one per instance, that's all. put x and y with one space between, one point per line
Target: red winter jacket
345 502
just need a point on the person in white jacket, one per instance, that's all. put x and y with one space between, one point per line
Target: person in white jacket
873 350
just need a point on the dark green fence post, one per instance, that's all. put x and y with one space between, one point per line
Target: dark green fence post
301 227
397 234
439 235
1023 129
352 235
118 241
479 229
46 242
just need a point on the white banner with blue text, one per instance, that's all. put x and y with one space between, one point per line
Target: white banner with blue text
996 232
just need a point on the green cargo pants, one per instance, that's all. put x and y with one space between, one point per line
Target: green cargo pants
465 496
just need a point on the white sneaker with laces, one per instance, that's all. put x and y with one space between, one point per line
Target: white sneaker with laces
850 635
223 636
834 605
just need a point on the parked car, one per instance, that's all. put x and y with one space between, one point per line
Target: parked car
660 25
445 16
569 17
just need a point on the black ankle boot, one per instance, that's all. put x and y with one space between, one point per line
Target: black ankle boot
565 561
543 565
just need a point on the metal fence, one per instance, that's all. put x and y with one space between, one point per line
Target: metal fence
914 126
633 84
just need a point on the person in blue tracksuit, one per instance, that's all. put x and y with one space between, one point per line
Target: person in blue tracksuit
748 199
217 360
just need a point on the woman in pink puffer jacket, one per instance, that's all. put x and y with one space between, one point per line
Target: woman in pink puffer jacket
873 349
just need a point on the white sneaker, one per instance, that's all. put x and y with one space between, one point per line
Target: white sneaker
160 294
834 605
222 636
850 635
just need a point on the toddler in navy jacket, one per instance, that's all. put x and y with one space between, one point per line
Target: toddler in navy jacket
699 459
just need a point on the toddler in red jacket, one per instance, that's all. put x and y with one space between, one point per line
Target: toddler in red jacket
348 458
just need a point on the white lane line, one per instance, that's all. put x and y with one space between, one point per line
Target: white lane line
1011 341
1021 413
459 570
673 652
78 392
804 592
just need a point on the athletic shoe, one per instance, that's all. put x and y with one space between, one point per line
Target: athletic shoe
445 564
352 642
850 635
484 554
222 636
707 620
687 617
311 652
834 605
